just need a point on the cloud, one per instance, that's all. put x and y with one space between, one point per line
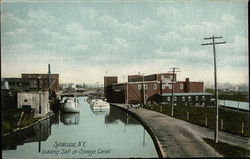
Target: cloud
168 13
226 23
109 21
113 23
40 16
119 44
76 29
80 47
18 32
228 18
54 36
8 18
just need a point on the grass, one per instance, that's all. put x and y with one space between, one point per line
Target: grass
232 120
228 150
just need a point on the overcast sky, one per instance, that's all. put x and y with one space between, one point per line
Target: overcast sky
83 40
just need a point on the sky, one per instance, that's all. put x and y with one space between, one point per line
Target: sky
86 40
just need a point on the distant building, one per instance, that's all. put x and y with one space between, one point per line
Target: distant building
157 88
43 81
108 82
17 84
39 101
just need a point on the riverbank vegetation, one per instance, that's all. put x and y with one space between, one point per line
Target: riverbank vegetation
235 96
228 150
229 121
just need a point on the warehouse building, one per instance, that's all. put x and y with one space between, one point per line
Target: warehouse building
42 81
155 88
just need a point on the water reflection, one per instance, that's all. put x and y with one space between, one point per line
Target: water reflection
37 133
117 114
70 118
100 111
107 134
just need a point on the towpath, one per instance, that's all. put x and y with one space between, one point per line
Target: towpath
177 138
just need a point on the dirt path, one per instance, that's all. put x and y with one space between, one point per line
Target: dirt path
178 138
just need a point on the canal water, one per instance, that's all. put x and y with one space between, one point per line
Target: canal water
108 133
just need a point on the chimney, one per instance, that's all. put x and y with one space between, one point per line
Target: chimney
49 73
187 85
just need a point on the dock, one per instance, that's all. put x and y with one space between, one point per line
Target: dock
177 138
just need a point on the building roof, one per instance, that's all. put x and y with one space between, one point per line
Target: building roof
15 80
186 94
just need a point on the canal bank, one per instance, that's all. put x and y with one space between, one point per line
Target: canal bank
177 138
49 115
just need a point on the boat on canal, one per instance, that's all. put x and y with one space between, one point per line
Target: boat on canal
69 104
99 104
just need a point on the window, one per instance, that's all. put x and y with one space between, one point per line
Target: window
196 104
196 98
163 86
162 77
25 100
169 99
203 98
145 86
175 98
171 77
170 86
139 87
183 99
181 86
189 98
155 86
146 97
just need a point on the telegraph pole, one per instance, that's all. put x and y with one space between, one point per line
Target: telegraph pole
172 99
216 130
125 94
143 87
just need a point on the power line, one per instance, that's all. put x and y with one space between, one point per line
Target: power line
216 130
174 69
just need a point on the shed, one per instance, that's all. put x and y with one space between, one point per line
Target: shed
39 101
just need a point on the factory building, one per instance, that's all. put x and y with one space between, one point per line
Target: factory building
155 88
42 81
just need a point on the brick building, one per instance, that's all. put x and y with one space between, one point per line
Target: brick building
158 88
43 81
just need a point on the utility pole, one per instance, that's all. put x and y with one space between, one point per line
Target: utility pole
143 87
172 99
125 94
216 130
49 85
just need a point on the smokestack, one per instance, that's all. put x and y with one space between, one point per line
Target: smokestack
49 77
187 85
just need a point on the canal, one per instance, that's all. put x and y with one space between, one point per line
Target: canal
89 134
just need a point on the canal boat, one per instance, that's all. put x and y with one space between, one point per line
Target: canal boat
99 104
69 104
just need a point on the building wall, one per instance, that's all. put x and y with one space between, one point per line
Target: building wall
108 81
189 100
34 100
8 99
196 86
134 78
154 84
43 81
